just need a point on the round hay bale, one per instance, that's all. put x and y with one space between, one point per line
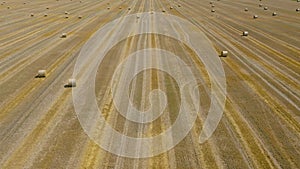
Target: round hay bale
298 9
32 15
63 35
71 83
45 15
260 5
213 10
129 9
224 53
163 10
265 8
41 74
171 7
179 5
246 9
274 14
79 17
255 16
245 33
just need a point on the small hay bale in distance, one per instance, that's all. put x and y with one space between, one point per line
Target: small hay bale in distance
32 14
210 2
298 9
171 7
67 13
41 74
129 9
224 53
163 10
246 9
298 0
245 33
213 10
71 83
79 17
274 14
255 16
45 15
63 35
179 5
265 8
108 8
260 5
212 6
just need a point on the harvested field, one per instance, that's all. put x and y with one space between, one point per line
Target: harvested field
260 126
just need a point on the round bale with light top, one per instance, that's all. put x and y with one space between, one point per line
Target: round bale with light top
41 74
224 53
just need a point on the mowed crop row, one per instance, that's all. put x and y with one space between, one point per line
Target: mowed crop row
260 127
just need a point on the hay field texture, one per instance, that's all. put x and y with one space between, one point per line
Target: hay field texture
260 126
